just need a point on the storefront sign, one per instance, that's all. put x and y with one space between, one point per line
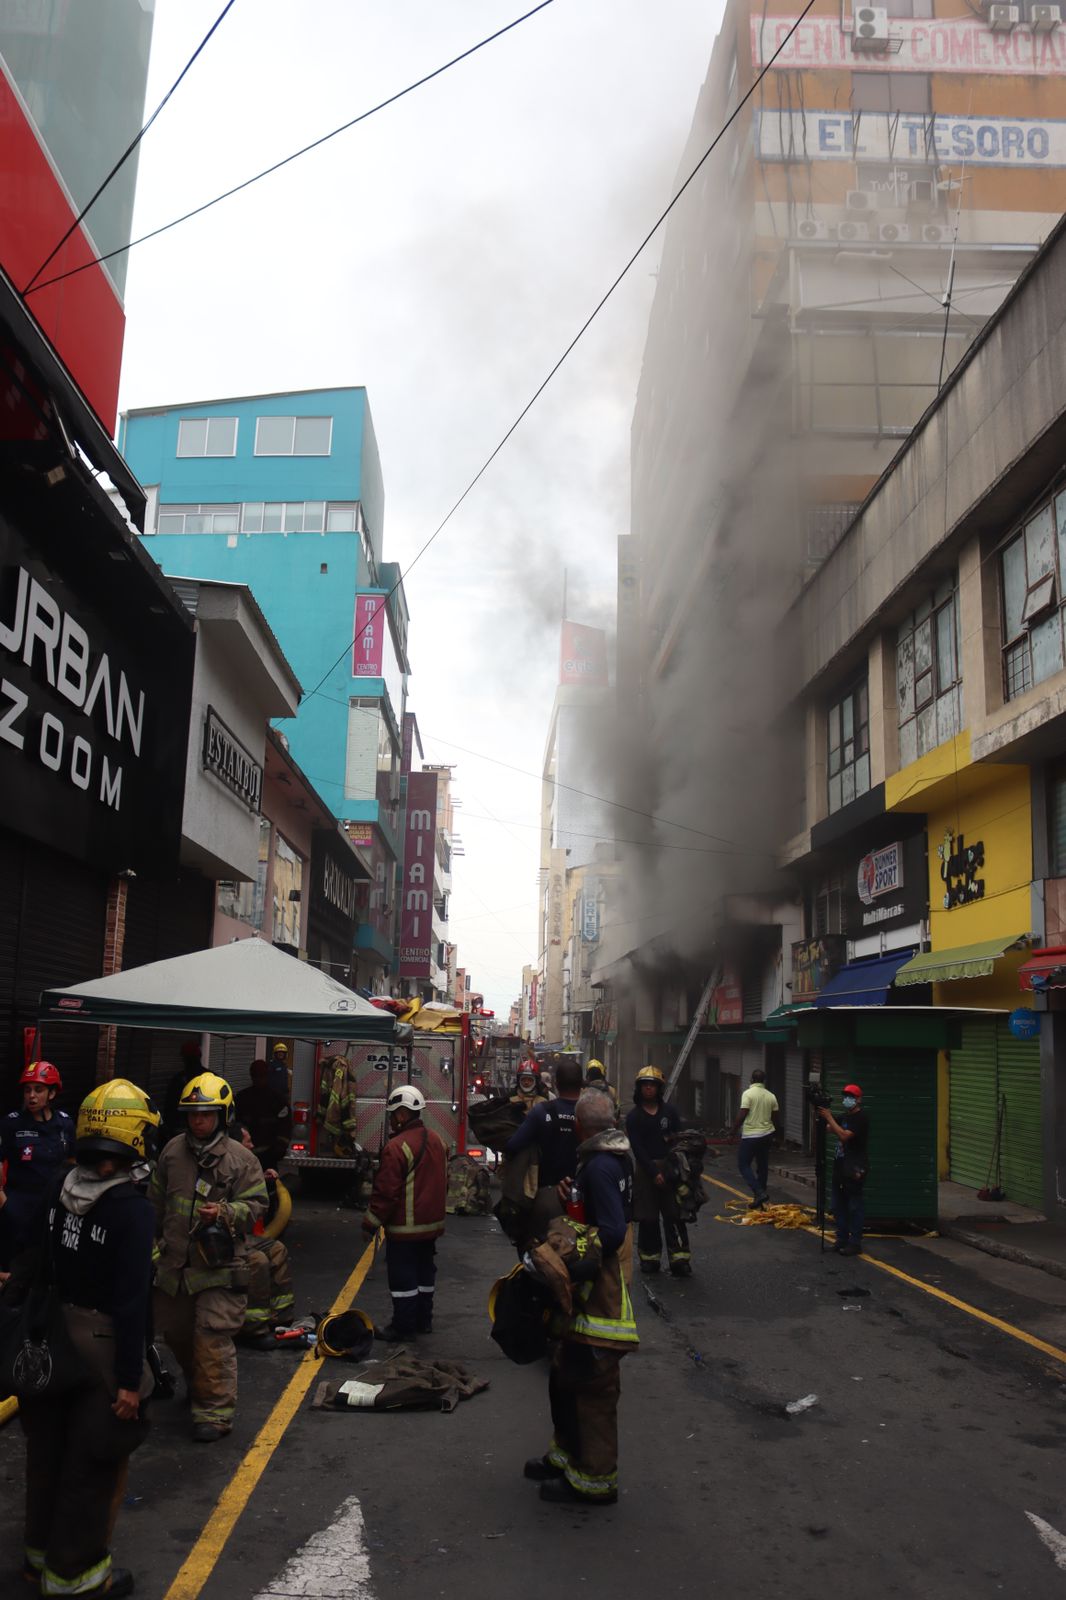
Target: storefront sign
727 1004
911 137
94 704
886 888
880 872
956 44
420 848
1024 1023
814 962
555 908
590 919
583 657
360 833
961 870
370 625
335 884
533 985
226 757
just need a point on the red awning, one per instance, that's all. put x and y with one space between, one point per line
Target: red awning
1046 967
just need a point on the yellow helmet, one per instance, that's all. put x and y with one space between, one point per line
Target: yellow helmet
207 1092
280 1050
114 1121
650 1075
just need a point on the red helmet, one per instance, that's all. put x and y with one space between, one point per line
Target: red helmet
42 1072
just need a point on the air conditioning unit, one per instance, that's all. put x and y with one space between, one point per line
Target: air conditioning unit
1004 19
853 232
1045 18
893 233
869 28
922 192
812 228
934 233
860 200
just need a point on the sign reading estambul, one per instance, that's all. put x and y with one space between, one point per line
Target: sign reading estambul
958 44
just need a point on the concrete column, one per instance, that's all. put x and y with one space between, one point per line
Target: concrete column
979 629
817 740
884 710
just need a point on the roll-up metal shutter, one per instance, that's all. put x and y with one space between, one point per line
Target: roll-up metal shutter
973 1090
1019 1085
794 1107
899 1098
232 1056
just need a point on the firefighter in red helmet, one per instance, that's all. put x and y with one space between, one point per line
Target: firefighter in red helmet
36 1143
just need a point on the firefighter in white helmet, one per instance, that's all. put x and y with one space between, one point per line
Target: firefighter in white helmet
407 1201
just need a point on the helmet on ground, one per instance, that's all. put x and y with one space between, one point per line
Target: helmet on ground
345 1333
207 1092
406 1098
116 1119
42 1072
650 1075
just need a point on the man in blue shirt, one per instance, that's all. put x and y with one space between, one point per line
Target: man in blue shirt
551 1127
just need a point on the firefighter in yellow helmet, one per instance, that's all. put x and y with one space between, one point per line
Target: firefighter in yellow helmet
97 1231
652 1126
208 1192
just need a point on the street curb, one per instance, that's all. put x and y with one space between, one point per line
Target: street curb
1006 1252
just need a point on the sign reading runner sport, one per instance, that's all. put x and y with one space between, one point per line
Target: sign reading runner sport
419 853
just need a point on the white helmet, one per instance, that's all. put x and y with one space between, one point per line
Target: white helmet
406 1098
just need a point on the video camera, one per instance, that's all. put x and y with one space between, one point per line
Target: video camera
818 1097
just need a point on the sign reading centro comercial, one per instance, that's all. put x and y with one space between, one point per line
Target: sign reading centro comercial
955 44
419 853
871 136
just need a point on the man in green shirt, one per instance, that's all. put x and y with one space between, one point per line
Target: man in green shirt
758 1118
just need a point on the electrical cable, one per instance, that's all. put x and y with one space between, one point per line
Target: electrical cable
124 157
594 313
296 154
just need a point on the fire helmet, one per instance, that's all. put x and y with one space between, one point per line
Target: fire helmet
207 1092
650 1075
214 1244
406 1098
594 1069
42 1072
115 1119
280 1050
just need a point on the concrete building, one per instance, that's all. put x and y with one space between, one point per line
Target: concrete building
283 492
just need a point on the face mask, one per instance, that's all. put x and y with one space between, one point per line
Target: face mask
850 1102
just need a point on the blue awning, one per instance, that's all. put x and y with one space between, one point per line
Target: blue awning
863 983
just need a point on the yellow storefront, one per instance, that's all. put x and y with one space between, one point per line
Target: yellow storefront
979 829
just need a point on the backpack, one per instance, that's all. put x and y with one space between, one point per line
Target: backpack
519 1307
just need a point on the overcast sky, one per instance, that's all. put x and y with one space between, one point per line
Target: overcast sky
443 254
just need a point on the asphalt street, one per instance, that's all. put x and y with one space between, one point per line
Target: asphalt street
933 1442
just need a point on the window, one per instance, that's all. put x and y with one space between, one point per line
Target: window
198 519
293 436
827 909
288 889
283 516
1032 567
890 91
862 382
207 436
929 674
849 747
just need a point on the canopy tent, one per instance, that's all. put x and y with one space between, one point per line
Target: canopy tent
247 987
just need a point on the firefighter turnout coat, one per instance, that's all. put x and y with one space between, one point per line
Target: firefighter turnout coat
411 1188
225 1174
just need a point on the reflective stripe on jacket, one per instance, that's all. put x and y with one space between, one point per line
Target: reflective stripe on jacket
227 1175
603 1310
411 1187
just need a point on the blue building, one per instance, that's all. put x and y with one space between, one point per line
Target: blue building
283 492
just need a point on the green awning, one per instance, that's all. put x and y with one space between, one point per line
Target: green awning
965 961
780 1016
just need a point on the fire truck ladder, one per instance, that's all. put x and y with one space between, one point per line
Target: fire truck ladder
694 1027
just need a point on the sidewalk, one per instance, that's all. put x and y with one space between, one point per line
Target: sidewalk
999 1228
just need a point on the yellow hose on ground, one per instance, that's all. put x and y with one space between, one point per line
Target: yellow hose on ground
8 1409
280 1220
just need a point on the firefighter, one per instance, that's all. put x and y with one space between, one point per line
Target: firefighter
584 1386
528 1090
208 1193
550 1129
191 1064
408 1200
266 1114
98 1231
651 1126
36 1143
596 1078
270 1297
278 1076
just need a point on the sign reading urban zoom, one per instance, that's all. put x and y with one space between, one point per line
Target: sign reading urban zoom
369 635
419 853
958 44
903 136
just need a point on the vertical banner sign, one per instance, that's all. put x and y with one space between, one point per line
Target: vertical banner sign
369 635
583 658
419 853
590 919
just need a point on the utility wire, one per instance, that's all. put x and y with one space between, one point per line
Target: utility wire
296 154
593 314
123 158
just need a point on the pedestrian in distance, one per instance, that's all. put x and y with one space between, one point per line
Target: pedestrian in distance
651 1126
850 1167
408 1202
97 1232
208 1193
551 1129
584 1386
36 1143
757 1125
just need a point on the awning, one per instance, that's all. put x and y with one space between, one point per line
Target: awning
965 961
1045 969
863 983
781 1015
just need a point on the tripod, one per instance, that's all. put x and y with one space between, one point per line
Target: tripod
819 1175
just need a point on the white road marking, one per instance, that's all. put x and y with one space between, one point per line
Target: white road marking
1054 1540
332 1565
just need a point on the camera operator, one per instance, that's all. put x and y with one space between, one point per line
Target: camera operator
850 1166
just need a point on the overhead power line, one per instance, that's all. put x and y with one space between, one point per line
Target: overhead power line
296 154
123 158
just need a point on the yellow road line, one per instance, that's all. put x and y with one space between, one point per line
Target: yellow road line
200 1562
728 1187
1008 1328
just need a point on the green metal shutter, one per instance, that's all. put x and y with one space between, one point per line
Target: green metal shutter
1019 1084
899 1097
972 1111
